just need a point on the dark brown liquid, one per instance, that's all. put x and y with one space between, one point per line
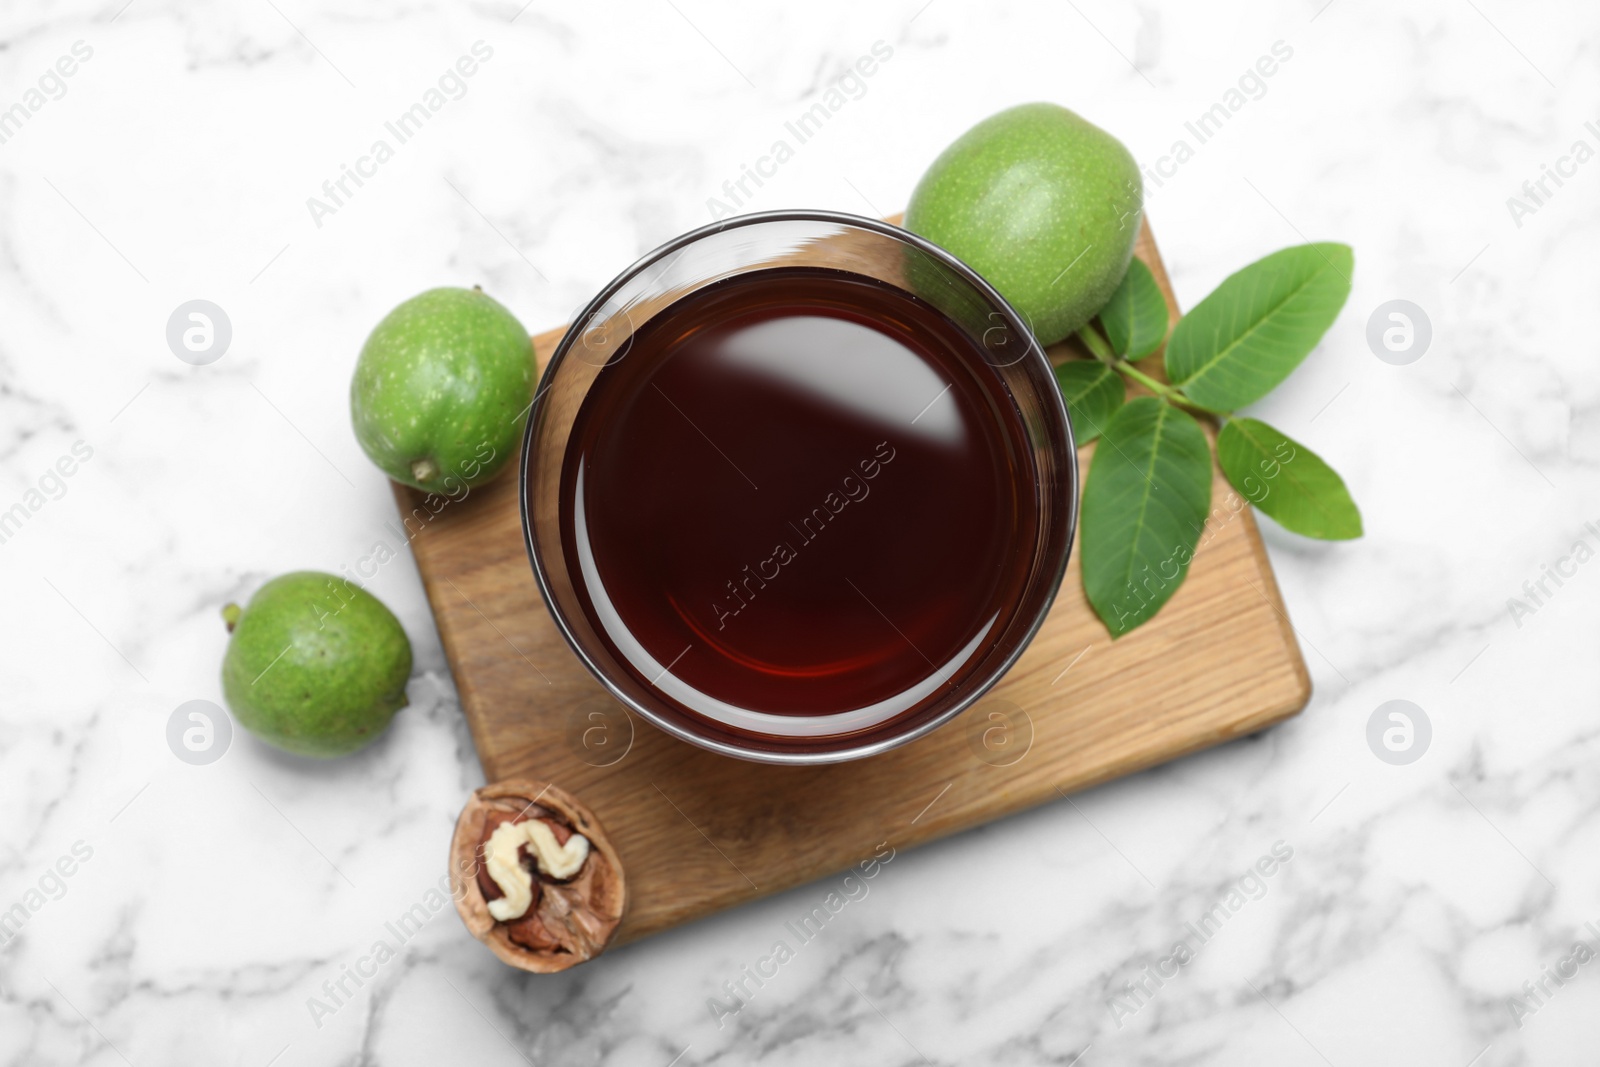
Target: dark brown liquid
799 493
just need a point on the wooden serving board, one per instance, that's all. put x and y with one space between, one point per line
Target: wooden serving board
699 832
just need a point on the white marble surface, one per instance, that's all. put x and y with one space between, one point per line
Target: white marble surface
218 899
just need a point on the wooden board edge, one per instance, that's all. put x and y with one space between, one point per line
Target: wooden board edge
406 500
1274 598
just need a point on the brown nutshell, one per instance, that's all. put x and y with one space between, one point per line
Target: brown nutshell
569 921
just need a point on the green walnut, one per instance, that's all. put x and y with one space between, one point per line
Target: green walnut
316 665
442 389
1042 203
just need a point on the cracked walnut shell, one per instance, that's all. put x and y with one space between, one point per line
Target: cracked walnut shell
568 920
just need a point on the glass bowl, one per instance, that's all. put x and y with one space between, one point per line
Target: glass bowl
1001 354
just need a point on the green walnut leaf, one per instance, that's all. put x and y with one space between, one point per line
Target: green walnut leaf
1287 480
1144 505
1135 319
1093 392
1247 336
